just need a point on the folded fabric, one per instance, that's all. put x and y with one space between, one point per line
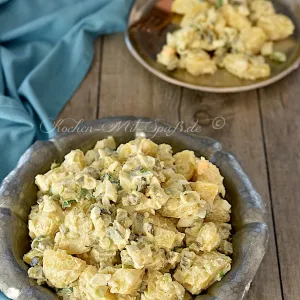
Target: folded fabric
46 48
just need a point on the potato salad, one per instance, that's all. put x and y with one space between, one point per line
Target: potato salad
237 35
130 222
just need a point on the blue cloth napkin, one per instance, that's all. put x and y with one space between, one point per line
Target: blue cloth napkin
46 48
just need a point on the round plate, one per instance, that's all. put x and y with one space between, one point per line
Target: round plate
145 44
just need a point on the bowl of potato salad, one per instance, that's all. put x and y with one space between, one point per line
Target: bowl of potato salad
217 45
126 210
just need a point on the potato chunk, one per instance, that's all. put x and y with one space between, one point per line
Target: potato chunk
74 235
246 67
45 218
234 19
184 6
148 147
207 191
164 154
45 181
225 247
168 58
126 281
277 27
162 287
259 8
185 163
208 237
167 239
108 143
197 272
267 49
60 268
206 171
252 39
198 63
220 211
187 205
74 161
94 285
204 237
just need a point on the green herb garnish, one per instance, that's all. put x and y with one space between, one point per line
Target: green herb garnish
278 56
112 180
221 274
220 3
68 203
85 193
65 291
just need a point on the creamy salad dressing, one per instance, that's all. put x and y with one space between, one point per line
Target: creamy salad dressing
130 222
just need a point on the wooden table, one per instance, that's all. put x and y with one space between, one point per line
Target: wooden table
262 129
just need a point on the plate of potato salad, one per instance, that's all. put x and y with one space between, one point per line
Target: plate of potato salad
236 35
134 221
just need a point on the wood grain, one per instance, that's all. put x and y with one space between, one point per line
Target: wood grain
128 89
242 135
280 111
83 104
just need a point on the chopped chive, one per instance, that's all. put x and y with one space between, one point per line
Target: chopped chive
68 203
278 56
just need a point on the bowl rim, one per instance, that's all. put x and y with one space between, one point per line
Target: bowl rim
215 150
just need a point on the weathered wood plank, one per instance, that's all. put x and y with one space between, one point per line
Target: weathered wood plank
241 135
280 109
128 89
83 104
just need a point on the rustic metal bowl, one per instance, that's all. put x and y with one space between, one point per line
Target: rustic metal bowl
144 44
18 194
